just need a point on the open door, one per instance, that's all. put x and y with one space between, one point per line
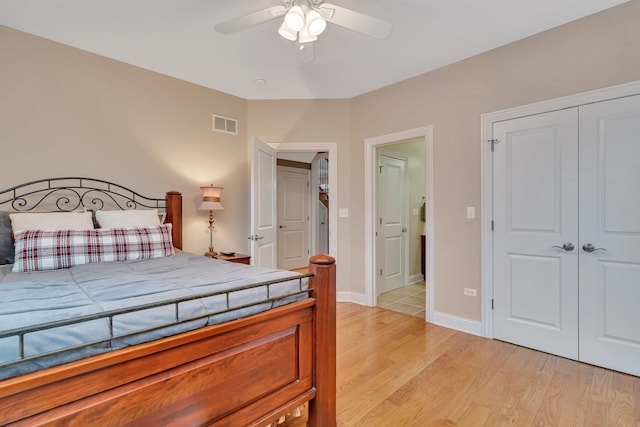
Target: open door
392 220
264 207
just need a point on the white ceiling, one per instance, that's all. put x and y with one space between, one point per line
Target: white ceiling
177 38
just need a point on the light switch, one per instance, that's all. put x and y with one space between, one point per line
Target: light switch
471 212
343 213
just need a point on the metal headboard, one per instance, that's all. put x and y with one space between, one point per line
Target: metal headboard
73 193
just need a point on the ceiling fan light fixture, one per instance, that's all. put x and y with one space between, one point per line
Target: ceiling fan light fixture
304 36
316 24
287 33
294 19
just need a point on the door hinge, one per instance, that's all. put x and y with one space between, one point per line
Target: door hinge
493 142
380 220
376 234
380 167
492 225
381 272
491 303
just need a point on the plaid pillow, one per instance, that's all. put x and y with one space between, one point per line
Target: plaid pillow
50 250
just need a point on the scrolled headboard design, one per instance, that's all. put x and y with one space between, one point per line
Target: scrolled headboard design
74 193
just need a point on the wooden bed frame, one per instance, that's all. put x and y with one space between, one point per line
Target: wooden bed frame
247 372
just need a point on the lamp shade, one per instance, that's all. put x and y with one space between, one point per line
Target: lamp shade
211 198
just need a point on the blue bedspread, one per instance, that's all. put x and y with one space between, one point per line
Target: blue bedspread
28 299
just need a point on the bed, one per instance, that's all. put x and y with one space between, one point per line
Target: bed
221 361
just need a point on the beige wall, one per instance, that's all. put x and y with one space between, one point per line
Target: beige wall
66 112
594 52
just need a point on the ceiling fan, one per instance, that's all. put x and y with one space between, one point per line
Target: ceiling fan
305 20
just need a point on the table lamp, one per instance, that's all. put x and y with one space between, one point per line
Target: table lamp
211 202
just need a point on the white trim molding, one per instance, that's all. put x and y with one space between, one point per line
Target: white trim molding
487 121
351 297
370 145
458 323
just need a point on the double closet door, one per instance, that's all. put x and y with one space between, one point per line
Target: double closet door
567 232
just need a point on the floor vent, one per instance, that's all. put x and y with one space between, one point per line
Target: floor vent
225 124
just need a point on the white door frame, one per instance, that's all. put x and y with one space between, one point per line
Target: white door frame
332 149
405 247
370 162
486 124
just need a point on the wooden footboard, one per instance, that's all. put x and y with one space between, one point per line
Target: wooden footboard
241 373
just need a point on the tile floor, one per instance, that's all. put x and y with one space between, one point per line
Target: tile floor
408 299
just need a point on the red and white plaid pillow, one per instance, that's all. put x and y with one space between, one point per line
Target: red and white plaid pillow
50 250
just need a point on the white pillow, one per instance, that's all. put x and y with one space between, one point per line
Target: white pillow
51 221
128 219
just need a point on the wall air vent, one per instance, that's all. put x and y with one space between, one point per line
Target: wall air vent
225 124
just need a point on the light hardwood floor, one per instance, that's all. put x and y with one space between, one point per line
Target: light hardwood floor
397 370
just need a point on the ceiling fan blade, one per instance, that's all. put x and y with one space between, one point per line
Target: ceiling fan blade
249 20
355 21
305 52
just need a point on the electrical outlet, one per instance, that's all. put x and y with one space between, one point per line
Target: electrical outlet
470 292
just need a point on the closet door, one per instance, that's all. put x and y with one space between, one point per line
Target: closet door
610 234
536 232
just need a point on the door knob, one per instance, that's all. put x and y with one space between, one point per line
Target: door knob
567 247
588 248
282 226
404 229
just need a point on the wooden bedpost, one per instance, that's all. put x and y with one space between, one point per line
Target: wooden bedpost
322 409
174 216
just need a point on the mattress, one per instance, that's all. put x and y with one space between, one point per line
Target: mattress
34 298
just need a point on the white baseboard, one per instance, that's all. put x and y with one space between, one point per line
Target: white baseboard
414 278
469 326
351 297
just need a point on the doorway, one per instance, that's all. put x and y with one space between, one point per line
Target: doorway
423 137
264 192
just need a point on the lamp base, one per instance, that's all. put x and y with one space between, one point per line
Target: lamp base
211 253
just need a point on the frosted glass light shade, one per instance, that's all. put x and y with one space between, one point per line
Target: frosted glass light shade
294 19
288 34
211 198
315 23
305 37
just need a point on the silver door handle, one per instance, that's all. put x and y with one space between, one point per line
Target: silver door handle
567 247
259 237
255 237
404 230
588 248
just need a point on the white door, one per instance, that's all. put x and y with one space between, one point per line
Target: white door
263 205
392 221
610 219
293 218
535 215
